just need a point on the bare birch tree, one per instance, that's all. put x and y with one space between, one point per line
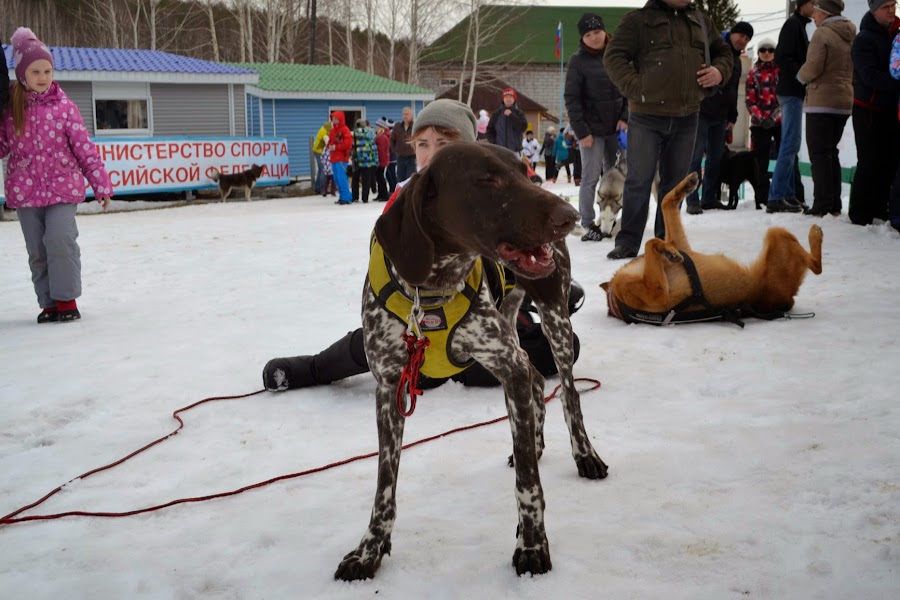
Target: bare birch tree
242 11
392 13
426 21
211 19
348 23
369 6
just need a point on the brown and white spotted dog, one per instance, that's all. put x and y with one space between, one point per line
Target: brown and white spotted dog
476 200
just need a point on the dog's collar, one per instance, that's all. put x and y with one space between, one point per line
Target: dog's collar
428 297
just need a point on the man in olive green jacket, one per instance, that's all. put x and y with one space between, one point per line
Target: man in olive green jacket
657 60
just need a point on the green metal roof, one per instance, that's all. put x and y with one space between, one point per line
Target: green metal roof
534 28
280 77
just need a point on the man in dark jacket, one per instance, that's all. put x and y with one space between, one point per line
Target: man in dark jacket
875 125
790 54
406 154
655 64
596 112
718 114
508 123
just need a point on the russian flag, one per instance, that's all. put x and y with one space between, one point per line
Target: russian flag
559 41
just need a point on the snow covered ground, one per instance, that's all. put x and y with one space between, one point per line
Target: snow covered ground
761 462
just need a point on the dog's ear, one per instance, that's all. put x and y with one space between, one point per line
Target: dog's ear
605 286
401 233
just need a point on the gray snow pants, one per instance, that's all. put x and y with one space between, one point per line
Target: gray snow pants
53 254
597 159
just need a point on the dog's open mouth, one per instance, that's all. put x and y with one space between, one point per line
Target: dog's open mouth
536 262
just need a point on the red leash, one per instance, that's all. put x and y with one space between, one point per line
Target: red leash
409 378
13 517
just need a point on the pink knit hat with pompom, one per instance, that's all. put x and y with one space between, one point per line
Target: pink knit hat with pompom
27 49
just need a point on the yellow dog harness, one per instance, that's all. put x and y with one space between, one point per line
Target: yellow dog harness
439 320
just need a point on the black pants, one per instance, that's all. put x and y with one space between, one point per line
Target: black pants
381 183
766 143
550 171
823 132
366 176
347 357
877 154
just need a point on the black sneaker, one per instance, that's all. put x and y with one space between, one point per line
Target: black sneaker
68 315
593 234
576 297
620 252
276 375
777 206
795 202
815 212
282 374
48 316
713 206
694 209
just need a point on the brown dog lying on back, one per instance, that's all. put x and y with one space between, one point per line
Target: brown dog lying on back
246 179
659 285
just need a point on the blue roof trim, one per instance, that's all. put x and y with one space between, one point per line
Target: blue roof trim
129 60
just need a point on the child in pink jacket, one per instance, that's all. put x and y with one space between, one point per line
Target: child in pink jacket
50 154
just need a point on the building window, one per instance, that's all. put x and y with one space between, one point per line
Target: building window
122 108
121 114
449 81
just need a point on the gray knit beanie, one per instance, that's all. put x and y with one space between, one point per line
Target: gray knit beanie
876 4
451 114
831 7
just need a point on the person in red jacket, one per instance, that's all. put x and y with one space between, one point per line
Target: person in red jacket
339 144
383 143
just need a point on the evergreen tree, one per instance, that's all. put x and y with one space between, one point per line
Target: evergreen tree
724 13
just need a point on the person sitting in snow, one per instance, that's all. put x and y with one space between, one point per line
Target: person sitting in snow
440 123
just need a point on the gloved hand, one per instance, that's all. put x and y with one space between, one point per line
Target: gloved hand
767 123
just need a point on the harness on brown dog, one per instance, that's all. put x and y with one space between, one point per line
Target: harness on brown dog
680 313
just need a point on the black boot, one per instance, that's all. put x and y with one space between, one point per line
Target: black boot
344 358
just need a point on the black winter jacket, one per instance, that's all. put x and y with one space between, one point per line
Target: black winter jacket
723 105
873 86
507 131
594 104
790 54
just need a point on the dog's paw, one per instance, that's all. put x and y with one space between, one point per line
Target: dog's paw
534 560
361 564
815 234
591 466
663 249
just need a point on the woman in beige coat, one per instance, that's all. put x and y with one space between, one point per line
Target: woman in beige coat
828 73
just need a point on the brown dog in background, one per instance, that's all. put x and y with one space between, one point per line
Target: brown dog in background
657 282
246 179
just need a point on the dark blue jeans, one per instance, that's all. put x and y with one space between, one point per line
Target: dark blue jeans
391 174
664 142
320 174
783 184
406 168
710 142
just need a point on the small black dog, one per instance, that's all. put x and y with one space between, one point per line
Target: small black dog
738 167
